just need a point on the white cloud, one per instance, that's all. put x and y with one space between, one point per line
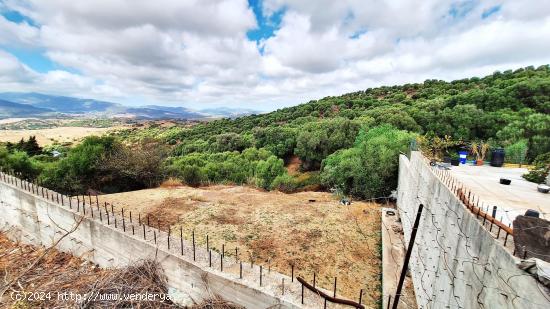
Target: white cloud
197 52
17 35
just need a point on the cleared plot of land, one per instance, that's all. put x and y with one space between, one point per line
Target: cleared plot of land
49 136
274 229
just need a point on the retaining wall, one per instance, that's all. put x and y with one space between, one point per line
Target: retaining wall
31 218
456 262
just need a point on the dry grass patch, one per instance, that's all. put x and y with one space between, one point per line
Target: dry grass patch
58 272
171 183
276 230
49 136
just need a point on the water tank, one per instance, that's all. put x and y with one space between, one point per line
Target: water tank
497 157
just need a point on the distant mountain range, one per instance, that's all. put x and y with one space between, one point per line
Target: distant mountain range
16 104
9 109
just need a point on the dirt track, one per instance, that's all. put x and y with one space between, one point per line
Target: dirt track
276 229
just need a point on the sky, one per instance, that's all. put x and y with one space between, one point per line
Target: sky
260 54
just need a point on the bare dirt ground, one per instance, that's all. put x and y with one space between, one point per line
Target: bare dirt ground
49 136
293 165
310 229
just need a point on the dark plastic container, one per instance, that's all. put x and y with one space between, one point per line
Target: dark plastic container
532 213
497 157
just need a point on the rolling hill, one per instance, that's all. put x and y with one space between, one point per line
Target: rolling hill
10 109
40 105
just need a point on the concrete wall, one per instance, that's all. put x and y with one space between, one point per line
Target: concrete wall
33 219
456 262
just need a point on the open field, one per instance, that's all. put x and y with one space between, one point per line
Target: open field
50 135
274 229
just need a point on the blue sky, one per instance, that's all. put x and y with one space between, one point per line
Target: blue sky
260 54
267 25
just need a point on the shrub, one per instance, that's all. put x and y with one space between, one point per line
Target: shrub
192 175
541 169
517 152
268 170
369 169
284 183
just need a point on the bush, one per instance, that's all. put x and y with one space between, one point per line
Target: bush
19 162
319 139
542 167
268 170
192 175
517 152
369 169
255 166
285 183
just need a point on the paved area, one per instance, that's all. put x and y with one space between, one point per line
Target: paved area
511 200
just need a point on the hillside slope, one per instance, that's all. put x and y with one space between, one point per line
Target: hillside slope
10 109
349 144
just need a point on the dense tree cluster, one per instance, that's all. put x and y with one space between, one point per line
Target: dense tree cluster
98 163
348 142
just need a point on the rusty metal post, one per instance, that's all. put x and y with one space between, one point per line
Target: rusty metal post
168 237
302 293
181 239
240 270
194 248
407 256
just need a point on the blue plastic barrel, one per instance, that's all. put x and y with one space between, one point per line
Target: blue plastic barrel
497 157
462 156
